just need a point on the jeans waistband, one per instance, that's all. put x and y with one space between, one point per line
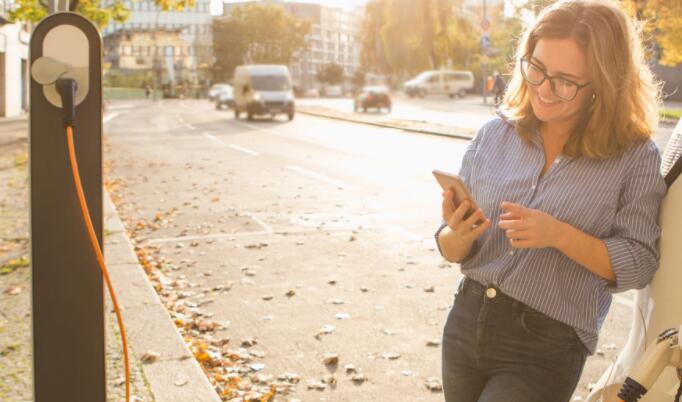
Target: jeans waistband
492 293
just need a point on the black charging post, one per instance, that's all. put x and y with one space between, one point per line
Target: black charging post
68 297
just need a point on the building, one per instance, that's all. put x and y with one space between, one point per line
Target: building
128 50
334 38
186 36
14 68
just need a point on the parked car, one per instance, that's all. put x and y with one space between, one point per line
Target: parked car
440 82
311 93
263 89
215 90
333 91
225 99
373 97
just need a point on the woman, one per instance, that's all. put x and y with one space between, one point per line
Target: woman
569 189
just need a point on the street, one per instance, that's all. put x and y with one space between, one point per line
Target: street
304 238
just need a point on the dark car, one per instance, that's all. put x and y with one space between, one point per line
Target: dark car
374 97
225 99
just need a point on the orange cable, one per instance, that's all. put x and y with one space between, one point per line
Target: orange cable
98 252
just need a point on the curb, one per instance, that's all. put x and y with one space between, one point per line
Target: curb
175 375
385 125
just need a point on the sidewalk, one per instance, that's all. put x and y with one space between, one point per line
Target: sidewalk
173 376
407 125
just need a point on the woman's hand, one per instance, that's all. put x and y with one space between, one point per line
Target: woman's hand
466 230
530 228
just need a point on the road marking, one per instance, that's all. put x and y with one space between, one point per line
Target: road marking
233 146
110 117
245 150
161 137
208 237
116 107
189 126
317 176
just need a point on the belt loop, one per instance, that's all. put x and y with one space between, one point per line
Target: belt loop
464 284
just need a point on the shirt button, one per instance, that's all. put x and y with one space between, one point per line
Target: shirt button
490 293
511 252
533 187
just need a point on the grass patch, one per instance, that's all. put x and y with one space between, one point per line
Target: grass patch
670 113
14 264
20 159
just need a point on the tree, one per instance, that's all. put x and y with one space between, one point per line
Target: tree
331 74
257 34
35 10
662 28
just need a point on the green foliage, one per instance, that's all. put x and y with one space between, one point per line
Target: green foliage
331 74
116 79
408 36
35 10
13 265
259 34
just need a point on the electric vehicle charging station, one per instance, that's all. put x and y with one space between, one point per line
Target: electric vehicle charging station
68 294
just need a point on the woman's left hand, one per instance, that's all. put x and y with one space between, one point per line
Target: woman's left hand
530 228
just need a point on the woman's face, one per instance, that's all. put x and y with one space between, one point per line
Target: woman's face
558 58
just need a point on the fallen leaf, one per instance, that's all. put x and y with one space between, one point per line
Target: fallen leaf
359 378
330 359
316 385
13 291
150 357
433 385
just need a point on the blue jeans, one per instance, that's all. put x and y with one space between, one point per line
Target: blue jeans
498 349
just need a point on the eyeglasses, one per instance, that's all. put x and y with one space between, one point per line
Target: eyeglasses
562 88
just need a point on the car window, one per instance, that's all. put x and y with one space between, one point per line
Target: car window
433 79
270 83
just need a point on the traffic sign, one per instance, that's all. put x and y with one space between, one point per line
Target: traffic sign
485 41
485 24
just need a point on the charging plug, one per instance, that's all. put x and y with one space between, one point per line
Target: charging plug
67 89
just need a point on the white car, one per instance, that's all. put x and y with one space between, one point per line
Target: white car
216 89
263 89
333 91
440 82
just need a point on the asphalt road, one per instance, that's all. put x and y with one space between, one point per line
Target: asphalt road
343 214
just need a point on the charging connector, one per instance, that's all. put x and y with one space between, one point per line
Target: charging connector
67 88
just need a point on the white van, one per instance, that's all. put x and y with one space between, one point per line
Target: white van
263 89
440 82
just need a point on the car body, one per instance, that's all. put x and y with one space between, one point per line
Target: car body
311 93
216 89
440 82
333 91
373 97
225 99
263 89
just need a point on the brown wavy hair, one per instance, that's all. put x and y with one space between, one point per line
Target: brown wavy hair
625 107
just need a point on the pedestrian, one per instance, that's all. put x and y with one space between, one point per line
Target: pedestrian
147 91
569 189
498 88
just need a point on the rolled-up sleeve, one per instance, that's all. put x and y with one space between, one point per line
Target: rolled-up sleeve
464 174
632 246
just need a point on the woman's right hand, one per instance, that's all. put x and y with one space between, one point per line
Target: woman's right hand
466 231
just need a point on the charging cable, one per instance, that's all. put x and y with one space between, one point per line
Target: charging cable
67 90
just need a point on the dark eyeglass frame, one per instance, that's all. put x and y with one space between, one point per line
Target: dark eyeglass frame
551 79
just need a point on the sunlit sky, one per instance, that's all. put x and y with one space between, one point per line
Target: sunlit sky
217 5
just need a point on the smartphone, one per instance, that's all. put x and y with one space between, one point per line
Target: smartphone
449 181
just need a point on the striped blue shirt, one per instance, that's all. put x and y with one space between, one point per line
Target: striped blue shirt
616 200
